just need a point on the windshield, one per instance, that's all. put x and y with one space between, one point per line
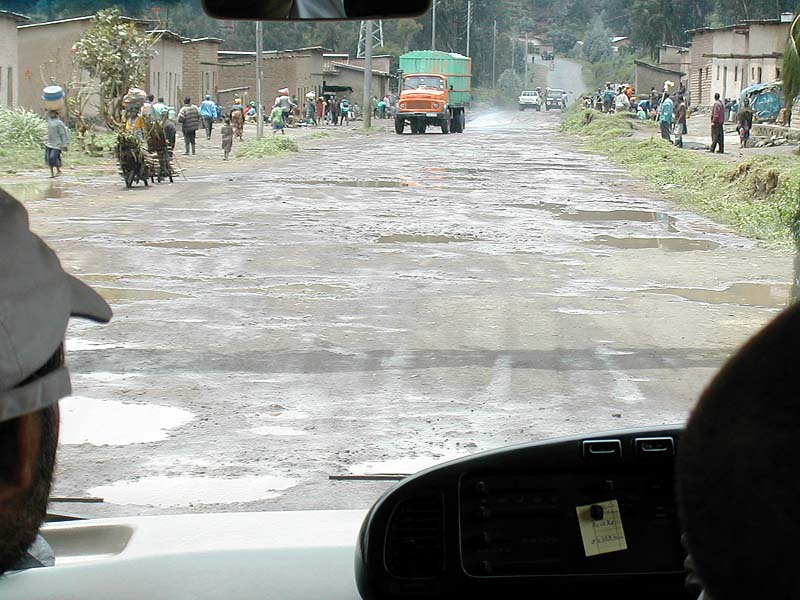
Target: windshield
318 290
428 83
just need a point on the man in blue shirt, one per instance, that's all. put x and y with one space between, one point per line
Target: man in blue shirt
665 115
208 111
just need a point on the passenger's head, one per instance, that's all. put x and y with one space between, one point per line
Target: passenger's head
187 100
716 96
150 97
738 470
37 299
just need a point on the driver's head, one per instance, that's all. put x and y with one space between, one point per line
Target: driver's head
739 470
37 299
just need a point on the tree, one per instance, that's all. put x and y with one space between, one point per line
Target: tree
510 83
116 55
597 43
791 67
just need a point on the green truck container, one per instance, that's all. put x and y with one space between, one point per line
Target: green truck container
456 67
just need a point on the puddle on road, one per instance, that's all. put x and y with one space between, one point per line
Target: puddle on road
669 244
639 216
745 293
550 206
188 244
410 464
275 430
122 294
113 423
164 491
411 238
367 183
27 192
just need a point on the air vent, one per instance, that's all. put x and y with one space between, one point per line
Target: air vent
415 538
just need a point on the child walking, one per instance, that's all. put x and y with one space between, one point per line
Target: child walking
227 138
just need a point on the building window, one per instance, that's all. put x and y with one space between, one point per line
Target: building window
10 86
717 72
736 73
777 72
759 74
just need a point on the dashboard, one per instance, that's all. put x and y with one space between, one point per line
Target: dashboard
591 517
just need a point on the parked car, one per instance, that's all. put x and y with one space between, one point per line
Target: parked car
548 55
530 99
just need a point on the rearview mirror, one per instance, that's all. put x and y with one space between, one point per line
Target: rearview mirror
314 10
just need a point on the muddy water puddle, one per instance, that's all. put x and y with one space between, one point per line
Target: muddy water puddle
188 244
669 244
412 238
771 295
29 192
113 423
165 491
600 216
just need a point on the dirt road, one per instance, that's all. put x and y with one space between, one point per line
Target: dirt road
377 304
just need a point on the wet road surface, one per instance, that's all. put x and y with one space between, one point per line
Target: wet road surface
378 304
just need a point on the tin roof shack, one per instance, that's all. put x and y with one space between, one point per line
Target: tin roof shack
45 57
647 76
299 70
201 70
164 77
9 81
347 81
725 60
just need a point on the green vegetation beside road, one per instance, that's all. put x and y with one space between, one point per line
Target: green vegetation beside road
758 196
272 145
22 136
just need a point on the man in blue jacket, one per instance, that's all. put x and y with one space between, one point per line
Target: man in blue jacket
208 111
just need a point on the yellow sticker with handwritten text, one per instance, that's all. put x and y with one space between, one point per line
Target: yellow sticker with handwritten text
601 528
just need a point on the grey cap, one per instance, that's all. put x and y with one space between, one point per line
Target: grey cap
37 298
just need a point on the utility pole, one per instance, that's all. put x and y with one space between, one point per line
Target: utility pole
526 59
259 99
494 53
433 26
367 106
469 22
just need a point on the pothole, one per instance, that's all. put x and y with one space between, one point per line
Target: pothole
670 244
769 295
188 244
122 294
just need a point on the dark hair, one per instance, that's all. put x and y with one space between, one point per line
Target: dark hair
187 100
160 99
716 96
22 515
150 97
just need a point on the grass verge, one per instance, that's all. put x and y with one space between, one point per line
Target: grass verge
759 196
272 145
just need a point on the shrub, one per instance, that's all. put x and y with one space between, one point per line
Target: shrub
272 145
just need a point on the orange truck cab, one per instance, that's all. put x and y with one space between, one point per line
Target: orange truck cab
428 98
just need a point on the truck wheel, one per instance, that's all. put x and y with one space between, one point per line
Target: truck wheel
399 126
521 108
462 121
538 108
445 126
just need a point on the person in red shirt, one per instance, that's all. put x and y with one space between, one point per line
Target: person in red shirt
717 119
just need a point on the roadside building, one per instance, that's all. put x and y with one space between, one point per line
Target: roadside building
725 60
9 63
201 68
674 58
647 76
164 77
45 58
303 70
620 42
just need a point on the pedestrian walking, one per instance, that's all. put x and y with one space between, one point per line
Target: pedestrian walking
208 112
622 103
311 112
717 120
344 110
745 124
237 118
608 97
320 108
665 116
56 142
284 102
334 110
159 109
277 116
680 122
227 138
189 118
